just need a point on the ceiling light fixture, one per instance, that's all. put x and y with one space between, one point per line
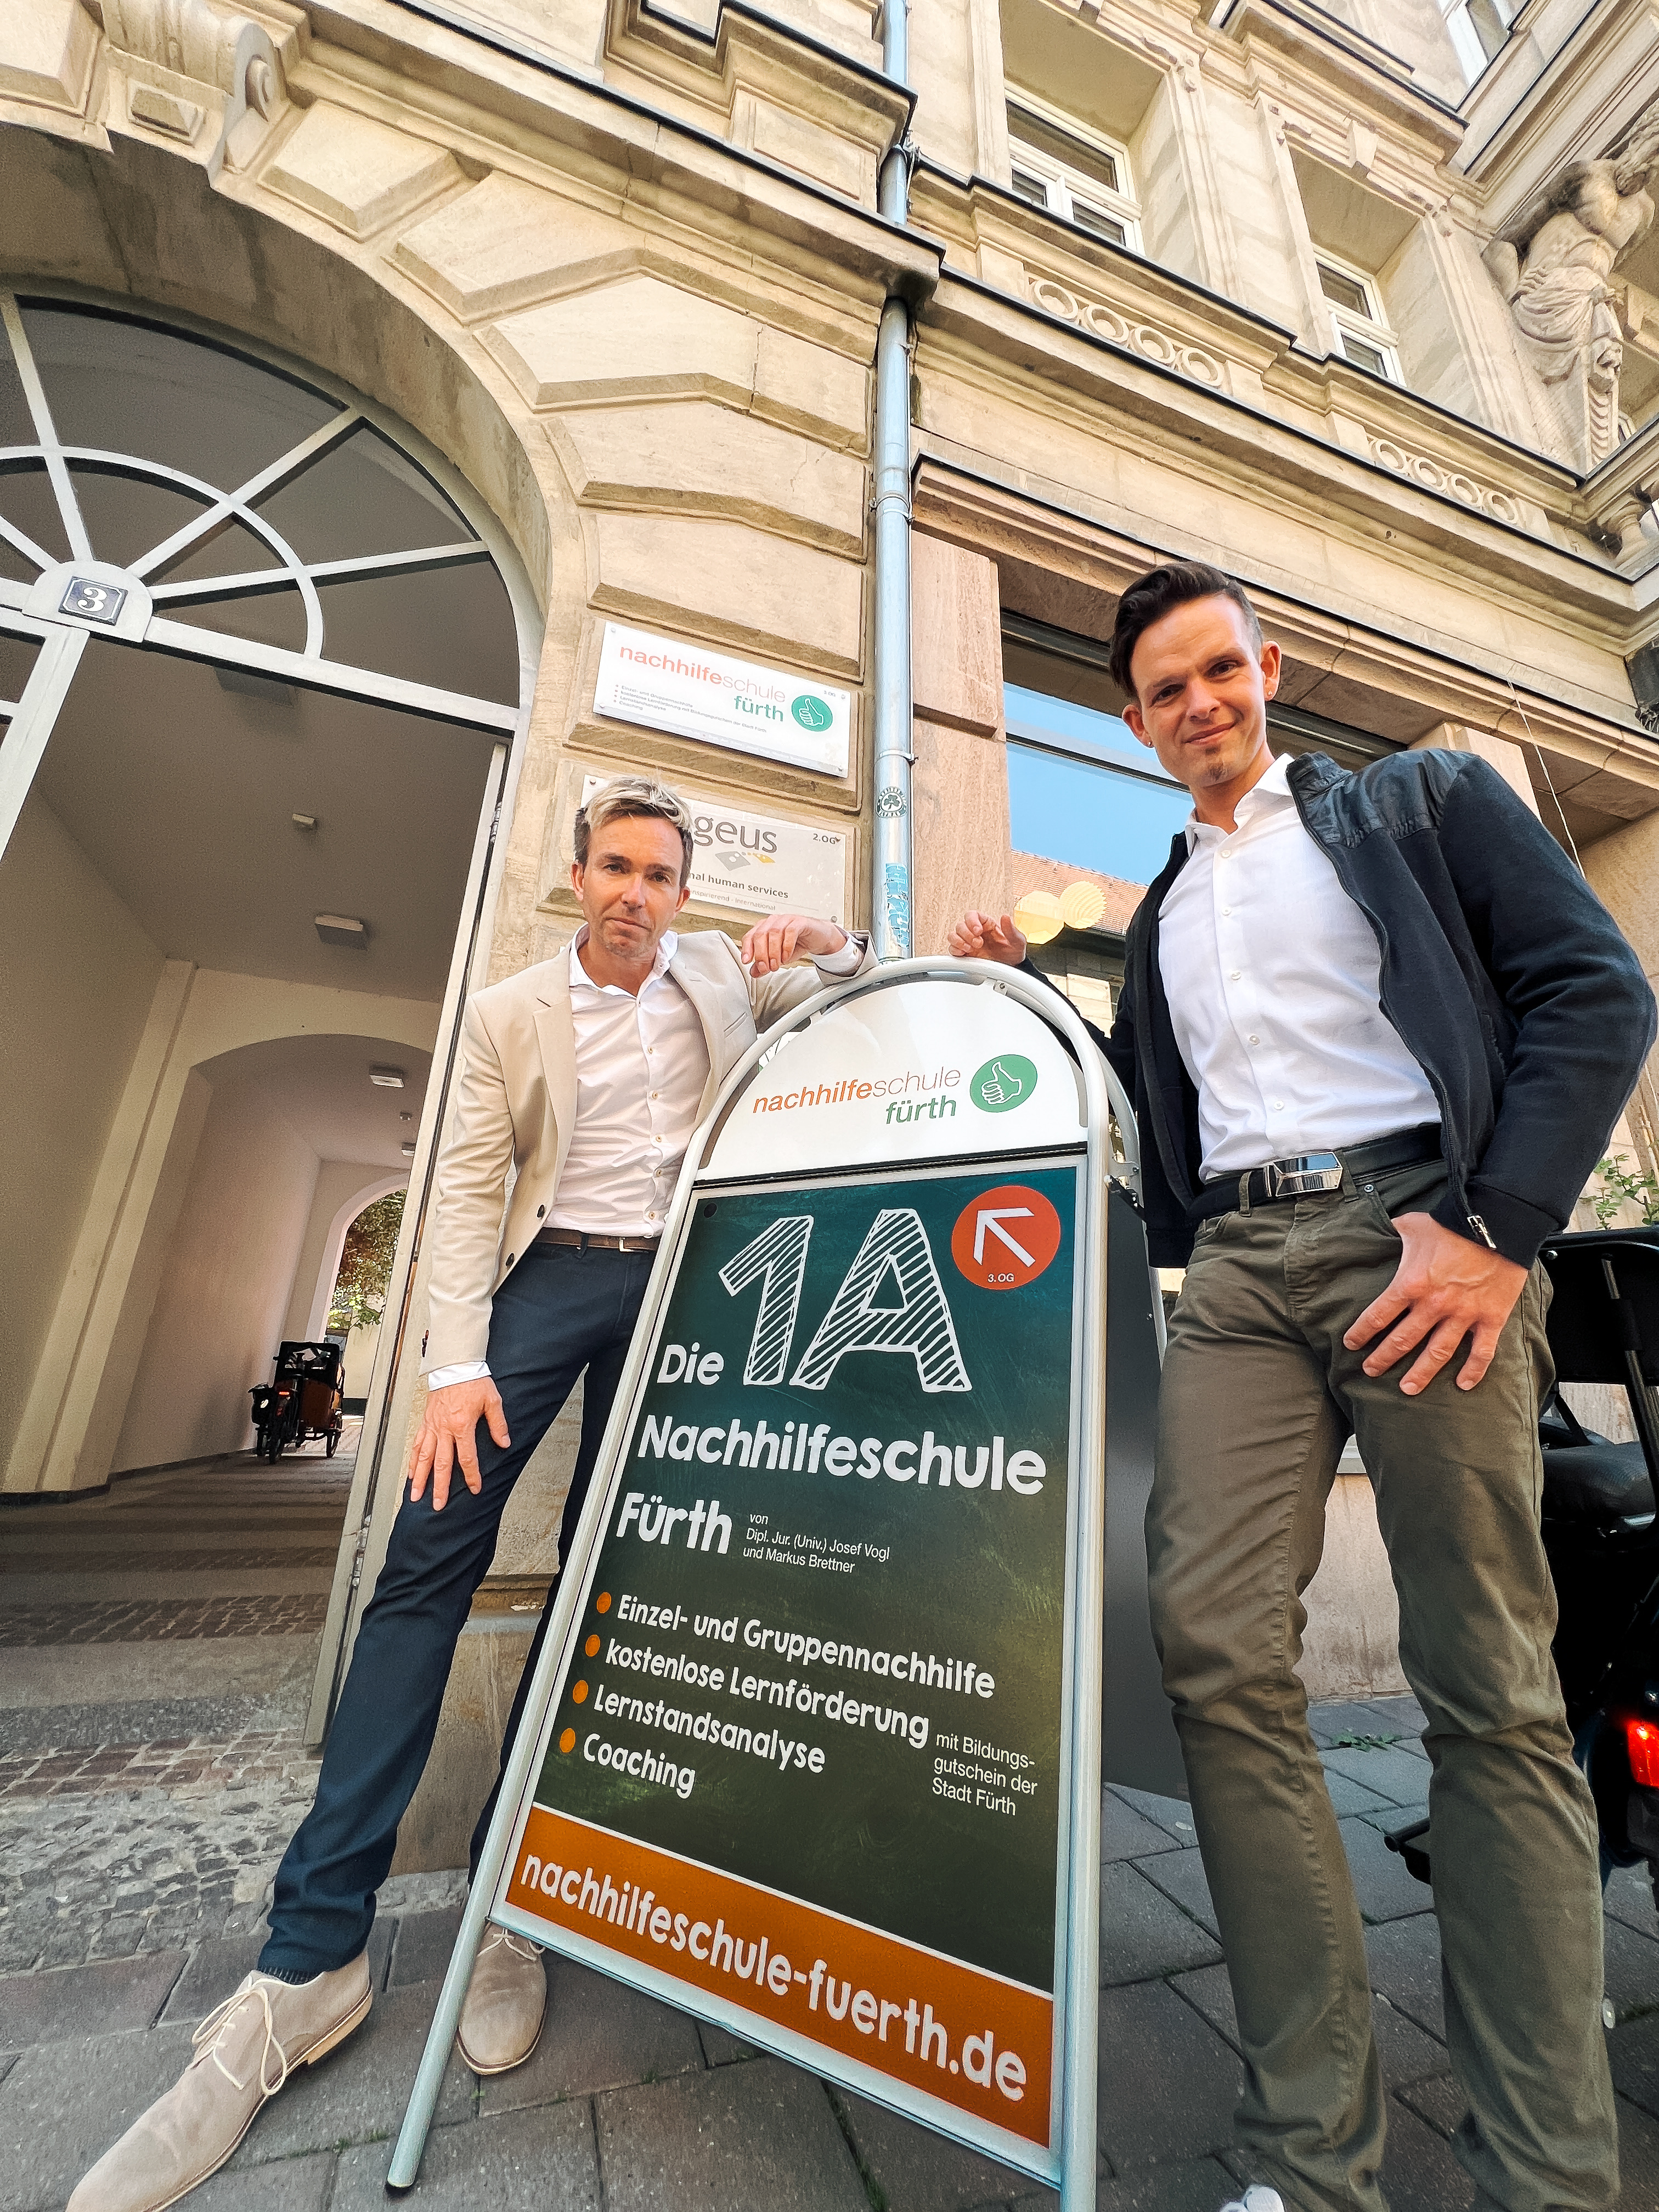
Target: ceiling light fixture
303 821
342 929
407 1148
387 1079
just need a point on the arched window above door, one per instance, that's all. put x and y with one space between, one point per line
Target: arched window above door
194 492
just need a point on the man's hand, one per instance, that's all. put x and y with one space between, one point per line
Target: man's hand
982 937
448 1434
1446 1288
773 943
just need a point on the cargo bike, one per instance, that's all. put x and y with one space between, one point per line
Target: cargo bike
305 1400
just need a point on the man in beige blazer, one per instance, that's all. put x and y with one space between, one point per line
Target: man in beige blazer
582 1082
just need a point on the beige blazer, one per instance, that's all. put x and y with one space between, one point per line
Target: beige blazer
516 1105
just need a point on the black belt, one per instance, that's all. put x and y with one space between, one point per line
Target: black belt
580 1241
1305 1175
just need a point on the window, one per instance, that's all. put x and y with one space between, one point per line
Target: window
1362 335
1061 166
1083 790
1479 29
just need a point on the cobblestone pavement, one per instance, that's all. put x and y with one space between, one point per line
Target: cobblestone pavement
179 1763
137 1907
162 1621
142 1848
236 1558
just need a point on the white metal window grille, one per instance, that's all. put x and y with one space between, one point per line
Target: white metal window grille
1060 166
182 494
1361 328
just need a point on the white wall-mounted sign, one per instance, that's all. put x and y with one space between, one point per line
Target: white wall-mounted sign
693 692
759 863
934 1068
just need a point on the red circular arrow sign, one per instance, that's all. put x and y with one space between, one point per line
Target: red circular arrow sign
1005 1237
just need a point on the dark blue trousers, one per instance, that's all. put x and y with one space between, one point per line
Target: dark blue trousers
560 1312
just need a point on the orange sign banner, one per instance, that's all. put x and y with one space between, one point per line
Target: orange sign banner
981 2043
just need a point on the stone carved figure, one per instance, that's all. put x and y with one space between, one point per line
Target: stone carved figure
1553 268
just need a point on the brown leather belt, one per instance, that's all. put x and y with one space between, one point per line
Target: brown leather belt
580 1241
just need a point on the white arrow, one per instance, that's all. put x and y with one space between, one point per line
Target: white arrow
993 1217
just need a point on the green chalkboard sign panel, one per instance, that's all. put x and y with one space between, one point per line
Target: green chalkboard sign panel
832 1656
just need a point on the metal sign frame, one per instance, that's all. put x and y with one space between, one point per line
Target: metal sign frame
1073 2167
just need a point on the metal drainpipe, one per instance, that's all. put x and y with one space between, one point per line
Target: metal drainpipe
889 879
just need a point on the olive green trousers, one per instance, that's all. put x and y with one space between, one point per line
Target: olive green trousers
1258 1395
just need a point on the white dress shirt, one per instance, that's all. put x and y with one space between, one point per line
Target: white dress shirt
642 1069
1272 976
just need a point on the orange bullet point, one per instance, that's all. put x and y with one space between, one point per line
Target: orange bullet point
579 1695
568 1741
602 1603
591 1646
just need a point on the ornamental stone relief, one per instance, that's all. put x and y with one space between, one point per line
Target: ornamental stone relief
1143 338
1553 265
1435 476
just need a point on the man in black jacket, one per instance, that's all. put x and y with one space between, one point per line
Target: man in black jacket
1377 1029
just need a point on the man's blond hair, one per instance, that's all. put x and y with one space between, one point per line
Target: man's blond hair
628 797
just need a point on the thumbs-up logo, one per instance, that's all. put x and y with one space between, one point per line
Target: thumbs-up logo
1003 1084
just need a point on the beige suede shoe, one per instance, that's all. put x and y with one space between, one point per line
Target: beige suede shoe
246 2048
506 2003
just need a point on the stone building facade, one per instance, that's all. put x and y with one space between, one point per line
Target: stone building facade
1360 301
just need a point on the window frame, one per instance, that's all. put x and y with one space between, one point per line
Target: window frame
1472 53
1065 185
1373 330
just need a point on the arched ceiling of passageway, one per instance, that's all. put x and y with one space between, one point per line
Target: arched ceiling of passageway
182 794
321 1086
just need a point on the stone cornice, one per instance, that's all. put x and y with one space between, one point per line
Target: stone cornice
1058 271
1401 686
493 100
1315 51
971 213
1519 127
529 105
704 75
1622 492
1033 358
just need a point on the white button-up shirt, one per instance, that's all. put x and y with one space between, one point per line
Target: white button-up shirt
1272 976
641 1067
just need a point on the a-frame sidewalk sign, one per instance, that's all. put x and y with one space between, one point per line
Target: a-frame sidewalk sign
813 1748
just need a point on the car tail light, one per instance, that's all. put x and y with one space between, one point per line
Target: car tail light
1642 1741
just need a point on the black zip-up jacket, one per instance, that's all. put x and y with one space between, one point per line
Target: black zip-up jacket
1509 982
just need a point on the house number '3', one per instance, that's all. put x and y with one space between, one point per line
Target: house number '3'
98 603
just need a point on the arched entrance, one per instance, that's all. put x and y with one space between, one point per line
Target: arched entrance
262 661
358 1300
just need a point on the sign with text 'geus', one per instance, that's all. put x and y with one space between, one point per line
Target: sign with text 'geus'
692 691
808 1759
760 863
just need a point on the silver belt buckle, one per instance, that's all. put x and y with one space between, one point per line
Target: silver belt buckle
1300 1173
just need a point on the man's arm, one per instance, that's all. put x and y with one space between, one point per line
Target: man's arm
1584 1026
984 937
776 988
466 1228
1584 1015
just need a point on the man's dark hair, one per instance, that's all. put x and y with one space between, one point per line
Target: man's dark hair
1154 595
